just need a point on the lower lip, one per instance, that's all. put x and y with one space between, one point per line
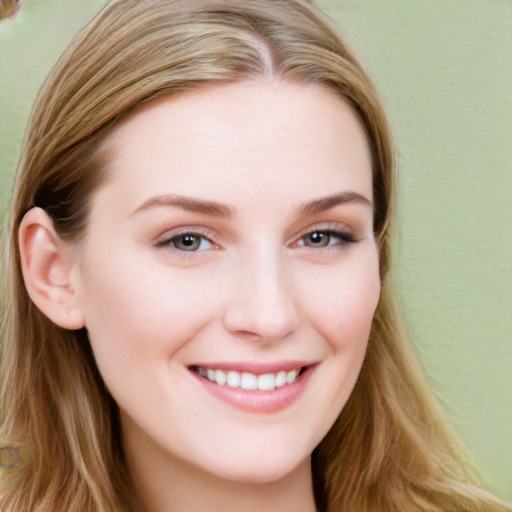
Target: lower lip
255 401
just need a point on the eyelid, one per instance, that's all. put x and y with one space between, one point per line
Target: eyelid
333 227
164 239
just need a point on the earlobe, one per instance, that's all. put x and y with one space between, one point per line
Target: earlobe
47 264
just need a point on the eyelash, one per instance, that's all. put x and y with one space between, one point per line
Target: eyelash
170 241
342 236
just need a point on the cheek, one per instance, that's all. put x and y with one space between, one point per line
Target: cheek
342 312
135 316
344 318
342 309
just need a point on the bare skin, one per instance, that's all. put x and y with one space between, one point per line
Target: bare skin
228 281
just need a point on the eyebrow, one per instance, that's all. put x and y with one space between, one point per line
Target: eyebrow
226 211
189 204
325 203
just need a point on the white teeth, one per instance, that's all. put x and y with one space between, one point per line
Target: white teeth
247 380
266 382
234 379
220 377
291 376
280 379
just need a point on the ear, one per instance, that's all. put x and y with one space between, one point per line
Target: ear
47 264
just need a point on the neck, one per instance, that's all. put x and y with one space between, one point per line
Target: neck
200 492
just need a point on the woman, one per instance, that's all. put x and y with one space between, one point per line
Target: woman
198 313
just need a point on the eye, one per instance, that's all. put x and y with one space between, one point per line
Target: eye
325 238
189 242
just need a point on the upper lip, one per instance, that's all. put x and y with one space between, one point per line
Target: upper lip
256 367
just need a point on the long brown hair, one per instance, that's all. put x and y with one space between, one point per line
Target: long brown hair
388 450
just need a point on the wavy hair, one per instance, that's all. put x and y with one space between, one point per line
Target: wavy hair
388 450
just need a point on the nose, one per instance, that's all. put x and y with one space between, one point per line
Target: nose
262 304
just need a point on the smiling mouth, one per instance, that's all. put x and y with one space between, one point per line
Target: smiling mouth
250 381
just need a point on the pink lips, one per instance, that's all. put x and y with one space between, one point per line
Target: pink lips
257 401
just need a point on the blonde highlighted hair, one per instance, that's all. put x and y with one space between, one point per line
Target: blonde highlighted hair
388 450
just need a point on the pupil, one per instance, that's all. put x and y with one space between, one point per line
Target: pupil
317 238
188 240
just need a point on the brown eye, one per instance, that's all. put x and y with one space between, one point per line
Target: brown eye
317 239
190 242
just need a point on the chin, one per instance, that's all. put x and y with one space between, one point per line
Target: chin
260 471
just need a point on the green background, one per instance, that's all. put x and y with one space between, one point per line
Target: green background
445 71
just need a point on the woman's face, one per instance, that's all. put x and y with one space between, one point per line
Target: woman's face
229 276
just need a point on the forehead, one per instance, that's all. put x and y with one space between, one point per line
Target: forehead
241 136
